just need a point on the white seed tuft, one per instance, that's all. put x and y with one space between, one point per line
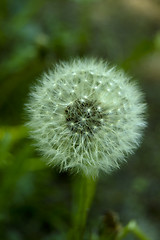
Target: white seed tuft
86 116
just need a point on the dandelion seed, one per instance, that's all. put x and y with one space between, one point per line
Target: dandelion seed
93 129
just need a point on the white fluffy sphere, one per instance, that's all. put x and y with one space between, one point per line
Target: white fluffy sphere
86 116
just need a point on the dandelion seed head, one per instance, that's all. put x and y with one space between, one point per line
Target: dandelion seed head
86 116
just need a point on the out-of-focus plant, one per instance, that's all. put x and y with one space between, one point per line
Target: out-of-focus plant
14 161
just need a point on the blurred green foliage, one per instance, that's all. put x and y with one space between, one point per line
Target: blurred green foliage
35 200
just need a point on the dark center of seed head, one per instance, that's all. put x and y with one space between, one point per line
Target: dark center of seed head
84 116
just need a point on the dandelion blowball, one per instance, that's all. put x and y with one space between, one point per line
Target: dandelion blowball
86 116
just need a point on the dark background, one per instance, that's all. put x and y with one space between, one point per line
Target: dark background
35 200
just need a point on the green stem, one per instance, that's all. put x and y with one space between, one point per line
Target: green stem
132 227
84 189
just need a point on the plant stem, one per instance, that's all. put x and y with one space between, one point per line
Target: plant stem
84 189
132 227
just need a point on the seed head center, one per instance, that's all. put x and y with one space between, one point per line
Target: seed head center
84 116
